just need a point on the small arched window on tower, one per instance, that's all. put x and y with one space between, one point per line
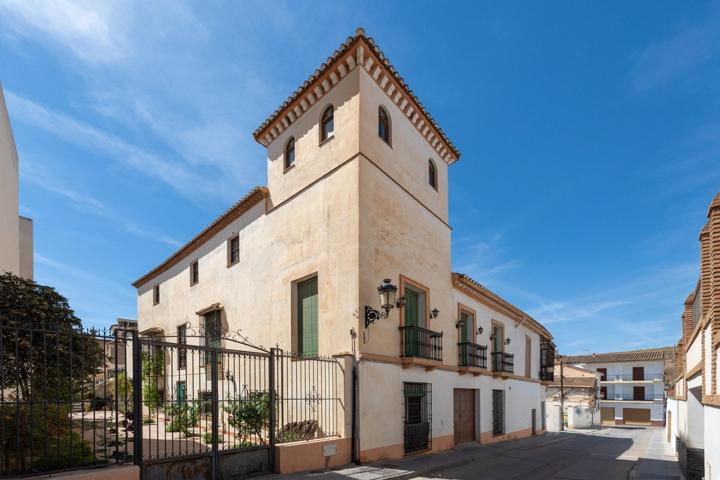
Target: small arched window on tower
432 174
327 124
290 153
384 125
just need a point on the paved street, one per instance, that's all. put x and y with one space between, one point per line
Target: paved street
606 453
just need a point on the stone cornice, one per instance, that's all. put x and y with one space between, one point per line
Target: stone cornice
362 51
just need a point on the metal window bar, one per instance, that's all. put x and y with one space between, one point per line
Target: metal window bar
503 362
498 412
417 419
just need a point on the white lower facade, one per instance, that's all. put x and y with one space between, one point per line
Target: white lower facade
382 408
629 412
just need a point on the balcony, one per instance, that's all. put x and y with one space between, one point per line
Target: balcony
503 362
547 373
629 397
420 343
648 377
472 355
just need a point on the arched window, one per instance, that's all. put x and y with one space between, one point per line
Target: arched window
432 174
327 125
384 125
290 153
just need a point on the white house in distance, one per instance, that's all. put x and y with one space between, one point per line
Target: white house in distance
358 193
632 386
579 407
16 232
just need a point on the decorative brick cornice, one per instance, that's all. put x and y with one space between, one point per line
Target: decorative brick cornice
695 370
487 297
712 400
358 50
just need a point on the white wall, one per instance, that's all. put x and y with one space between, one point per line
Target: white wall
9 227
381 403
712 443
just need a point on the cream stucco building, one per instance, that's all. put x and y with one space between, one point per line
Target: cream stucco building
16 232
357 193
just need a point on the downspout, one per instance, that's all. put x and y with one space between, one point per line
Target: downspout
355 454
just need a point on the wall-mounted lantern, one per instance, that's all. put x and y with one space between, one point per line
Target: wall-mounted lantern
479 330
434 313
387 293
507 341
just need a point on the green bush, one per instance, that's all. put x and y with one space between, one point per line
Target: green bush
249 416
153 369
207 438
183 416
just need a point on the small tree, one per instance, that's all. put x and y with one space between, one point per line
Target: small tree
249 416
121 390
153 369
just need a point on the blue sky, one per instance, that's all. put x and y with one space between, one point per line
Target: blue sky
589 132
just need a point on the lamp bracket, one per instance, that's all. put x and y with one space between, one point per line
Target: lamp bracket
371 315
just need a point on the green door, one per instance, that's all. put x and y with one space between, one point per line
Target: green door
180 394
467 326
414 317
308 317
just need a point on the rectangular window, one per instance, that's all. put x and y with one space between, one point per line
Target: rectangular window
233 250
638 393
156 294
194 273
212 334
417 417
414 307
182 351
307 317
603 393
528 355
498 412
603 374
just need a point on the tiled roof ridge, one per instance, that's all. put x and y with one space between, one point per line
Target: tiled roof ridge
657 353
241 206
306 86
489 293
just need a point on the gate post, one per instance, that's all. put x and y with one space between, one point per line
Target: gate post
214 467
137 420
271 426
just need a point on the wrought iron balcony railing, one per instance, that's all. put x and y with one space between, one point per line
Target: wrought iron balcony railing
420 342
631 397
631 378
472 355
547 373
503 362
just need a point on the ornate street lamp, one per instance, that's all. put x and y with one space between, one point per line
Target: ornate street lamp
387 293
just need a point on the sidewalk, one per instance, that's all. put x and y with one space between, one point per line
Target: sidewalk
411 467
658 461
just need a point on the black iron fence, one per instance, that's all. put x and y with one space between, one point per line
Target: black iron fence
66 399
72 399
421 343
472 355
503 362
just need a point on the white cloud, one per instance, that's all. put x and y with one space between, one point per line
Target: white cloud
87 29
50 183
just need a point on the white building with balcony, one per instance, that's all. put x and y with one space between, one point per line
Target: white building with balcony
632 384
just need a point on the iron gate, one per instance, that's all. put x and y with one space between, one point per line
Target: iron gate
205 411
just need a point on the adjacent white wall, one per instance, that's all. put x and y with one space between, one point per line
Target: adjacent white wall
9 226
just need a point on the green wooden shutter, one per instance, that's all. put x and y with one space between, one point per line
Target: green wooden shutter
412 308
467 325
308 317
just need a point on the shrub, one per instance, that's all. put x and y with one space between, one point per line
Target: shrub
249 416
183 416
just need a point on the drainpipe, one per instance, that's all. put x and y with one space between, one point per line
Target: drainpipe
355 454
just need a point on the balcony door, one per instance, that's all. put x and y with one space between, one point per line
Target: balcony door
498 338
467 327
414 316
638 373
638 393
415 307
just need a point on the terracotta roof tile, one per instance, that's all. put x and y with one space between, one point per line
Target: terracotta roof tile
627 356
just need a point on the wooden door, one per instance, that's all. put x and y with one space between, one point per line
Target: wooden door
464 413
607 415
636 416
638 373
534 430
638 393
